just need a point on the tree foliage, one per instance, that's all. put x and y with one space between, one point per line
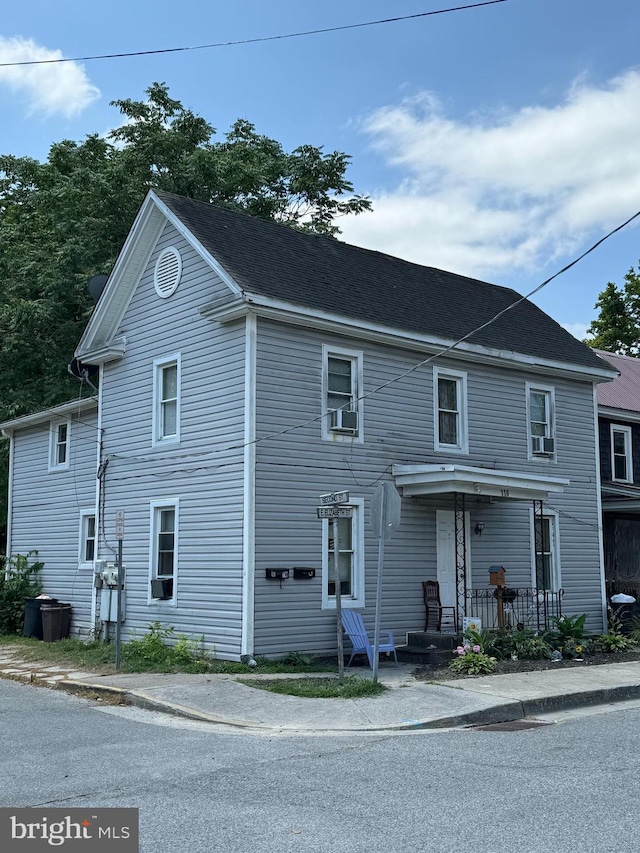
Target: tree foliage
617 327
65 219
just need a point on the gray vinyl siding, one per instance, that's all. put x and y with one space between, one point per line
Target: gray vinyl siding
46 507
201 471
293 468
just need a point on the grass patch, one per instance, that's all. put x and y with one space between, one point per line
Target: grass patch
159 650
320 688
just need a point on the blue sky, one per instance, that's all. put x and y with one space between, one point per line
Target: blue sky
498 142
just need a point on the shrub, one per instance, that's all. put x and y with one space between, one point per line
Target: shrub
570 627
155 651
572 648
528 646
17 582
471 660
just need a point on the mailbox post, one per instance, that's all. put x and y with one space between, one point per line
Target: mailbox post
497 578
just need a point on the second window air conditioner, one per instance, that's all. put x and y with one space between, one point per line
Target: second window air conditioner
343 421
542 446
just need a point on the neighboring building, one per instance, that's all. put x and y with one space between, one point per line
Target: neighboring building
619 419
246 368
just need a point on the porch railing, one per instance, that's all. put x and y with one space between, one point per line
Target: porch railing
522 607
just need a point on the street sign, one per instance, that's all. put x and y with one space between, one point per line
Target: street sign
335 511
120 524
334 498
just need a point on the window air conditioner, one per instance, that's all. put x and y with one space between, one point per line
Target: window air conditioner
542 446
343 421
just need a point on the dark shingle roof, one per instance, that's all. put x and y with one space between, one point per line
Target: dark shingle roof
325 274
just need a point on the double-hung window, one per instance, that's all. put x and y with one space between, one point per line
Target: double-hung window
450 411
545 552
87 550
621 459
350 559
166 400
59 445
541 421
163 562
342 388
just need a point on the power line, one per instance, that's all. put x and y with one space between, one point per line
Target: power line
256 40
452 346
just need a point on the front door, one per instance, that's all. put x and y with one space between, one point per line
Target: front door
446 555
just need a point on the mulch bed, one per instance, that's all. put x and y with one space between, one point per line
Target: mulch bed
430 672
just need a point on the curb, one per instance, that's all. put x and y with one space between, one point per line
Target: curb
506 711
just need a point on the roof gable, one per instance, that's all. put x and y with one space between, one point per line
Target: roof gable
323 276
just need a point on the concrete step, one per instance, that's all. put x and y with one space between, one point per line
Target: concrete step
424 655
430 640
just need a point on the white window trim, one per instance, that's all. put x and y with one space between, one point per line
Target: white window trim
462 445
158 366
627 452
551 391
357 599
53 444
357 357
82 538
154 506
553 517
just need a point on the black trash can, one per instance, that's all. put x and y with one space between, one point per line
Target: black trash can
33 616
56 619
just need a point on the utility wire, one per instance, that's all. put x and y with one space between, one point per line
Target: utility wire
253 40
452 346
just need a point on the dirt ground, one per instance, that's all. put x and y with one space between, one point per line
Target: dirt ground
440 673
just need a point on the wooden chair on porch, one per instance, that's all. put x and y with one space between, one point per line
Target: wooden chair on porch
434 610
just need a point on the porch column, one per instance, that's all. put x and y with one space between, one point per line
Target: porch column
541 599
461 558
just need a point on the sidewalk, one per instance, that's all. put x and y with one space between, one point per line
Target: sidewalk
408 704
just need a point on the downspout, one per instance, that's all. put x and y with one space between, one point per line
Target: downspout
94 591
9 496
249 486
603 586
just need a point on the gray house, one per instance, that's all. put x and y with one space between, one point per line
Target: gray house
245 369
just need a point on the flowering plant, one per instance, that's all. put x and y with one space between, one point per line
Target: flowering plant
471 660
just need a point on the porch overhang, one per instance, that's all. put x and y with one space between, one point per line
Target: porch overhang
620 498
424 480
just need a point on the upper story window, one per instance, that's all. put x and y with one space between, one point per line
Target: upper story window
541 422
166 400
59 445
350 560
342 387
621 460
450 411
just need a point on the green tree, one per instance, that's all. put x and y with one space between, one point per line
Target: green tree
617 327
65 219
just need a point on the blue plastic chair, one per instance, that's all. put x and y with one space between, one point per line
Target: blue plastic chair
357 633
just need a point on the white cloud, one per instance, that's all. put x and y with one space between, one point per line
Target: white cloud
578 330
53 88
512 190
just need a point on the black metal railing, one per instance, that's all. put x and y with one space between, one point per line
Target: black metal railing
522 607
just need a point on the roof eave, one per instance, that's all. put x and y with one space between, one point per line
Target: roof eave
286 312
63 410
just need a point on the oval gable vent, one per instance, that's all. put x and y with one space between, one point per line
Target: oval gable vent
166 275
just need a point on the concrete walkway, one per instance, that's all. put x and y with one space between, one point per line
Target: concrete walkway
408 704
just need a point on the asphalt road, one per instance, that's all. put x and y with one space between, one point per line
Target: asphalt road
573 786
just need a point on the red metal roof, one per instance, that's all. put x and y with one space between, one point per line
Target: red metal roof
623 392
